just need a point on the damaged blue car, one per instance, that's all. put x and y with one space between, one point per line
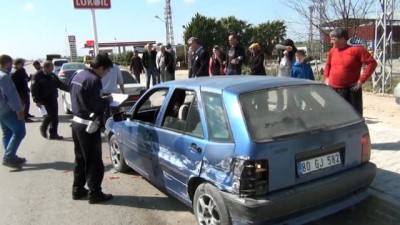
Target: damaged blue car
247 149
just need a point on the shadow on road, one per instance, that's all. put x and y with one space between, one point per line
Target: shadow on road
58 165
149 202
386 146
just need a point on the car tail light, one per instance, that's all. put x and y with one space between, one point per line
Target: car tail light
250 177
366 148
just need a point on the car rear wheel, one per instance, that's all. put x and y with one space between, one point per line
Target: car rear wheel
116 155
209 206
65 107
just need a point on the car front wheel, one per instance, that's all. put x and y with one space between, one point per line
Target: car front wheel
116 155
209 206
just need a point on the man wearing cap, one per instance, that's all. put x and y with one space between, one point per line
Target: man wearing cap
200 58
343 68
235 57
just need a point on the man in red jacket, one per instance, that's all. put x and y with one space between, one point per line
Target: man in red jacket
343 68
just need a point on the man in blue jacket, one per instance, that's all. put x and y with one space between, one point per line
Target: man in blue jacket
11 115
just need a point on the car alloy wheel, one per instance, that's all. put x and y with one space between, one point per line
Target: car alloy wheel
116 155
209 206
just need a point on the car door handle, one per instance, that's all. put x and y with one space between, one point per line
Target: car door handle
148 134
194 148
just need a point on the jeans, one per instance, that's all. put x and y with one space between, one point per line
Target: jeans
13 133
230 71
151 73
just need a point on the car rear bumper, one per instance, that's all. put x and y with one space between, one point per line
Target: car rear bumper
305 202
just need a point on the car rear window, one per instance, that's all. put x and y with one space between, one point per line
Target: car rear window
128 78
74 66
285 111
59 62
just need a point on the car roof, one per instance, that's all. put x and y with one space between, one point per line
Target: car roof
237 84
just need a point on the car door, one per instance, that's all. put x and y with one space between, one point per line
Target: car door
181 145
140 135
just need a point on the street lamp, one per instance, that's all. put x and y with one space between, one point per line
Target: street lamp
166 28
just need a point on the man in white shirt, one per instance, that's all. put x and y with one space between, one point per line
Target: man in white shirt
112 80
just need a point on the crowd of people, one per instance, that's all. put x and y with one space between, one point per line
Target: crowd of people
90 92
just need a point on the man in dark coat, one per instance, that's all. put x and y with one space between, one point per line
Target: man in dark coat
235 57
21 79
45 92
200 59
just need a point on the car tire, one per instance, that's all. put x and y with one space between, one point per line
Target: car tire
209 206
116 155
65 107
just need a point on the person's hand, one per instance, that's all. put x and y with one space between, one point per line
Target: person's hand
21 115
356 86
327 81
108 97
235 61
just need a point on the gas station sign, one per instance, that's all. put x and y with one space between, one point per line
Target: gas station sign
92 4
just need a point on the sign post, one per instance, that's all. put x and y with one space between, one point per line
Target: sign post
72 48
93 5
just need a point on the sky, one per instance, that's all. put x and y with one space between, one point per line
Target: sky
33 28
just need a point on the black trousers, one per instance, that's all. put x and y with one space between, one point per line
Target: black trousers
353 97
52 116
89 167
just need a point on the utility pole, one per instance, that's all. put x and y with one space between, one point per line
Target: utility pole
382 78
310 29
168 23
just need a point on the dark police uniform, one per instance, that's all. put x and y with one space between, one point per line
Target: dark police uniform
45 92
85 90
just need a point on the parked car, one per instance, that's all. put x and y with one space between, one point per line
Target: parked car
247 149
132 88
396 93
68 69
57 64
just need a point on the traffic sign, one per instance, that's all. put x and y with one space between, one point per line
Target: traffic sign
92 4
71 38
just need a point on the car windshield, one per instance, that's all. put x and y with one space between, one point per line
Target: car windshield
283 111
128 78
73 66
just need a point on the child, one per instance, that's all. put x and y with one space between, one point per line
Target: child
301 69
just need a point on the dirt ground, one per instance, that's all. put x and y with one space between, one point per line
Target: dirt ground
382 109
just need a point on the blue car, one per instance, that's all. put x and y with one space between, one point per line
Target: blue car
247 149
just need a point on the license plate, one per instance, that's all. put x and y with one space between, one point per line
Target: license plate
318 163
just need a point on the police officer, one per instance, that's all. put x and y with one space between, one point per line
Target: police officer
88 105
45 92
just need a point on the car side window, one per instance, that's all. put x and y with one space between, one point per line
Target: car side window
149 108
182 113
217 121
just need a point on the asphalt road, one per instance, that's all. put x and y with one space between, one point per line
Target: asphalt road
41 192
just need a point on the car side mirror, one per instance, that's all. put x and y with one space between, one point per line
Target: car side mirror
120 116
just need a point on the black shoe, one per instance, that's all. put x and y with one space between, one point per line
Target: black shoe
56 137
12 164
43 132
100 198
27 120
19 160
30 116
81 194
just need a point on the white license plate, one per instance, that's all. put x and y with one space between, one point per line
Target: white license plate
318 163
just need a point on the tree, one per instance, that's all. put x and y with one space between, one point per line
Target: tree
332 13
207 31
269 34
241 28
